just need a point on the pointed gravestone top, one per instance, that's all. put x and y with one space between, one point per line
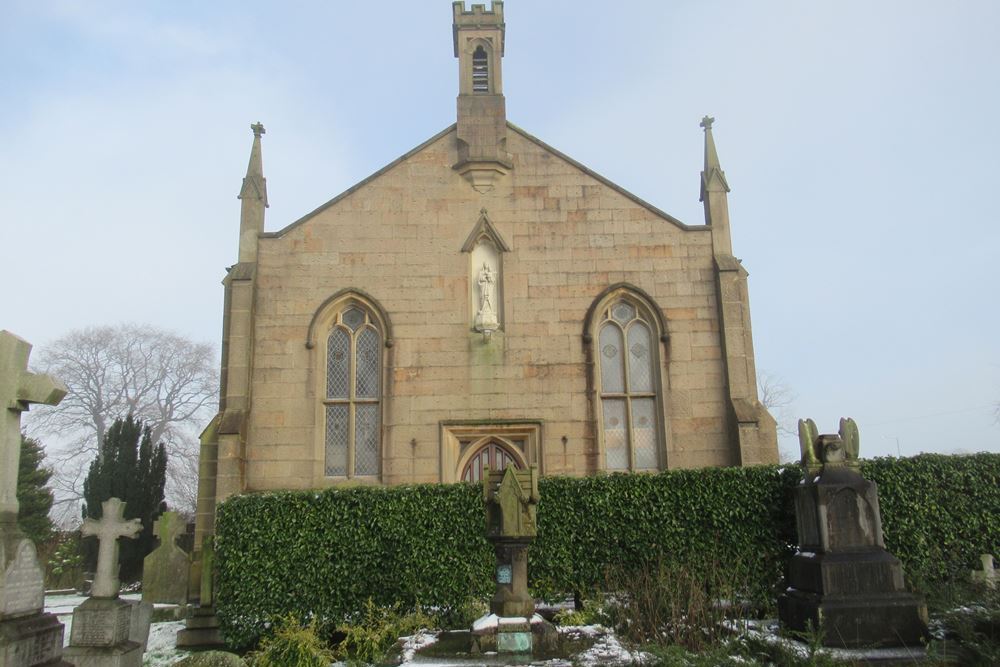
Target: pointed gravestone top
18 390
107 530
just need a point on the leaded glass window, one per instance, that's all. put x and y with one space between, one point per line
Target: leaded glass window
627 358
353 395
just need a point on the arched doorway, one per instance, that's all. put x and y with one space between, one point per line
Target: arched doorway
492 453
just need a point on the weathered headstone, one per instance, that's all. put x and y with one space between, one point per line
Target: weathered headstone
201 629
102 632
28 636
843 584
511 497
988 575
165 569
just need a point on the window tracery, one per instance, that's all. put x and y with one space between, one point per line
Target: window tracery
628 387
352 404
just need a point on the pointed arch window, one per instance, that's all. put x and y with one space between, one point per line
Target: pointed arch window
480 70
353 397
629 411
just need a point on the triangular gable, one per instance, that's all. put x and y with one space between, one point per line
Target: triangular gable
538 142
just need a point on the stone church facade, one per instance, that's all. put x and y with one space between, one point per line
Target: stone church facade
482 300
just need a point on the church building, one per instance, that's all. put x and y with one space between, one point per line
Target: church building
484 300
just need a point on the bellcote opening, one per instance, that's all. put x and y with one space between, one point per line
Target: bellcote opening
480 71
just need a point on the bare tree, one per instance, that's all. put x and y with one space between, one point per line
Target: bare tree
166 380
778 397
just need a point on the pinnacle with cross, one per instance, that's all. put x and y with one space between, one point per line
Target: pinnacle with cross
706 122
107 530
258 129
19 388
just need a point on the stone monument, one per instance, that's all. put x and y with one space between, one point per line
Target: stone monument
201 630
988 575
103 633
511 497
843 584
28 636
165 569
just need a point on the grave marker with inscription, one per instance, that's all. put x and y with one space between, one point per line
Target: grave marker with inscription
103 631
28 636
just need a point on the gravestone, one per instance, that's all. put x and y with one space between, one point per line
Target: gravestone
28 636
988 575
165 569
843 583
511 497
201 629
103 634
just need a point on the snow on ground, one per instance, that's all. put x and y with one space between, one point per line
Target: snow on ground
160 651
768 632
608 651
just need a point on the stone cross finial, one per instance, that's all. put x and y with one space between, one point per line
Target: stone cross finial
706 122
258 129
107 530
987 575
18 390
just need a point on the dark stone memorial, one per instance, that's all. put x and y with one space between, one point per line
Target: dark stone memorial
843 584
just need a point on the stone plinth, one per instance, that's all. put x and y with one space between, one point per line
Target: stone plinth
843 584
201 630
32 640
511 598
512 634
100 635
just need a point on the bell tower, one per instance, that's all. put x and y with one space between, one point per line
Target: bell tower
482 115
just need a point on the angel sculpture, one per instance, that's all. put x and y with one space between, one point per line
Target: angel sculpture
819 450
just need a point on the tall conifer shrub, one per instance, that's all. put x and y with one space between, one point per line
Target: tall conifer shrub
130 467
33 494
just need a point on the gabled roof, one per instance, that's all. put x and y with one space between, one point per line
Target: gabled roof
538 142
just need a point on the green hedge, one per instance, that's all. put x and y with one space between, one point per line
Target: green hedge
323 553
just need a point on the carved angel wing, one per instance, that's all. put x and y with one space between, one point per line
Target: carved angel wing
808 434
851 437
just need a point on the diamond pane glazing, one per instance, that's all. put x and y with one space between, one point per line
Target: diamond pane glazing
609 346
354 318
366 439
338 363
336 439
615 446
640 361
644 433
622 312
367 364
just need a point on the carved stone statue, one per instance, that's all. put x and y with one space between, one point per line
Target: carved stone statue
486 318
819 450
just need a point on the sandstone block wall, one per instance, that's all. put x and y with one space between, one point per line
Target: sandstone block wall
398 237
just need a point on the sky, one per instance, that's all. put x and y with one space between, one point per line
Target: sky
860 140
